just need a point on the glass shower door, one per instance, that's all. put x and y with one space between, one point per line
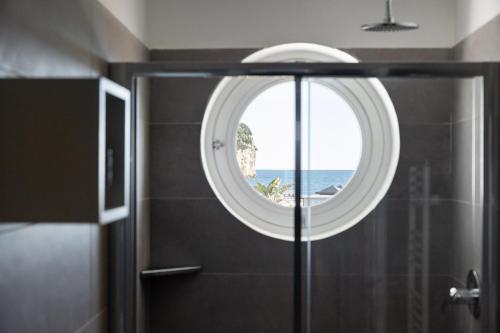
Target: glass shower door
411 264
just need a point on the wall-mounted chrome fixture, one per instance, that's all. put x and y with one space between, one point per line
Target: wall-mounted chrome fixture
470 295
389 24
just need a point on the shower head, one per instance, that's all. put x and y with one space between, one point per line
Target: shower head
389 24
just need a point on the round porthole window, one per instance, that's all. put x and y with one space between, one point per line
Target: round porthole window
350 146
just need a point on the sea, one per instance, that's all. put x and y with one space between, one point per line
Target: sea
312 180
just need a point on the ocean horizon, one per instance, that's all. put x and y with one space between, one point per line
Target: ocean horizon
312 180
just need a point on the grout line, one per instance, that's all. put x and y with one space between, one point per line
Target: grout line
434 200
182 198
438 200
174 123
430 124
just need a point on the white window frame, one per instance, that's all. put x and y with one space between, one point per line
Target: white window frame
379 158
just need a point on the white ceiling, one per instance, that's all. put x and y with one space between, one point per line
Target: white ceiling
187 24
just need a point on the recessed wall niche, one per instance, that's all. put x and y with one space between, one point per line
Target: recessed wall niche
65 150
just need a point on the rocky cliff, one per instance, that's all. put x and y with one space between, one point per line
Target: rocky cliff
246 152
246 160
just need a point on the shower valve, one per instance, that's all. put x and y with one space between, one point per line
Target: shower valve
466 296
469 296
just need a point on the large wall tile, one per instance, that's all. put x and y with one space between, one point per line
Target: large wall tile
180 100
201 55
175 166
421 101
397 247
424 145
352 252
222 303
46 278
203 232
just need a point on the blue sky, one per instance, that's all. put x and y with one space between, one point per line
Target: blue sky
334 139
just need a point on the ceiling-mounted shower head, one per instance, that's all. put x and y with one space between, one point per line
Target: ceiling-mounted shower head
389 24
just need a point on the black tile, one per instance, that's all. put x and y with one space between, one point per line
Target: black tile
394 312
185 232
180 100
222 303
352 252
391 220
355 304
424 145
442 227
326 304
422 101
202 232
45 281
202 55
397 253
421 143
175 166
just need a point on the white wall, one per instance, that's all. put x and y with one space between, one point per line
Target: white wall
258 23
472 14
132 13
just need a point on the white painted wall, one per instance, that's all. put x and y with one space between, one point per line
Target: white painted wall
132 13
258 23
472 14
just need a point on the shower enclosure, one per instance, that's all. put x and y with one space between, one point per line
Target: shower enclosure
423 260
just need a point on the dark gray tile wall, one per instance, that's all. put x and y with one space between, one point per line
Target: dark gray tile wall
361 278
53 277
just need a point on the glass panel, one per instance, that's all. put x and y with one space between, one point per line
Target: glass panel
393 271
